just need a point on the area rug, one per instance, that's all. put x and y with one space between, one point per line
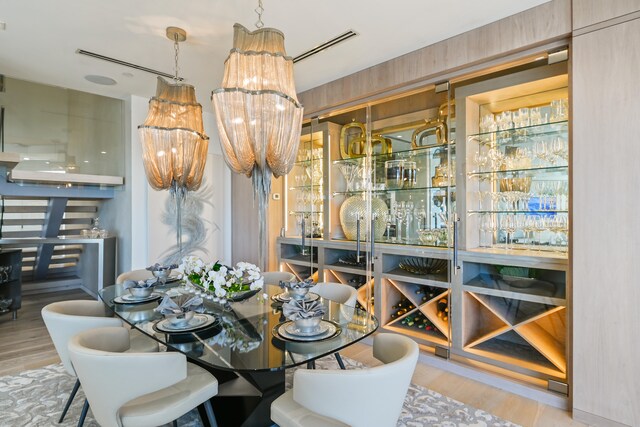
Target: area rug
35 398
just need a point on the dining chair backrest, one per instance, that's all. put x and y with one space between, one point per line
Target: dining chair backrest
64 319
274 277
381 389
338 292
110 377
134 275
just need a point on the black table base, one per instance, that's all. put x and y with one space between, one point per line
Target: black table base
245 410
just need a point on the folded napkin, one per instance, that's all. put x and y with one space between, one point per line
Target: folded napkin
140 283
302 309
297 285
181 305
160 267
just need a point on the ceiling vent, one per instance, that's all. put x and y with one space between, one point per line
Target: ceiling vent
126 64
326 45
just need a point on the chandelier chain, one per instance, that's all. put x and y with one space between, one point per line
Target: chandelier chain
259 10
176 49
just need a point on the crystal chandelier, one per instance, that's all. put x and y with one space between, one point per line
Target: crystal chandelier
174 145
258 115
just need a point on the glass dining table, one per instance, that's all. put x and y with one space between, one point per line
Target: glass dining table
246 344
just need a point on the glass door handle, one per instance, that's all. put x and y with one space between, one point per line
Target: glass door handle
456 231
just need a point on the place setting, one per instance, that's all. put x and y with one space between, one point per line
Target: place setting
305 322
140 292
183 314
296 291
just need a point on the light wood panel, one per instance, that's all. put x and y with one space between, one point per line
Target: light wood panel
244 222
532 27
606 230
589 12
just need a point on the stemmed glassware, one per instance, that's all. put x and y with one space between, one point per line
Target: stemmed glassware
488 226
401 213
421 215
529 227
389 218
509 226
409 214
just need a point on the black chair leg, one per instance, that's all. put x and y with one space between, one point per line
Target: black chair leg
83 415
339 359
210 415
311 364
174 423
76 386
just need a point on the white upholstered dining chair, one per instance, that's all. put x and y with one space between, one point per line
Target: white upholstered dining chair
137 389
369 397
274 277
340 293
64 319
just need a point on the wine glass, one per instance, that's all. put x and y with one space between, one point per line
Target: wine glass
529 227
509 226
421 215
540 227
400 215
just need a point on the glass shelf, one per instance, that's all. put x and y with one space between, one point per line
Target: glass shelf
517 134
403 154
305 212
307 162
307 187
400 190
533 212
520 172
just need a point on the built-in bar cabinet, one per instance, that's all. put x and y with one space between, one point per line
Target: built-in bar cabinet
448 209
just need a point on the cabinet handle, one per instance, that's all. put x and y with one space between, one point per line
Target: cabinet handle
358 240
372 235
456 223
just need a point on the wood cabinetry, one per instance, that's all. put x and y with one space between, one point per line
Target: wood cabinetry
606 294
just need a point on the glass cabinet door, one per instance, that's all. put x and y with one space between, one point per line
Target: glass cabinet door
513 294
396 161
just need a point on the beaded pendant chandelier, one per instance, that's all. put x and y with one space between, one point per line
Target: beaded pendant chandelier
258 115
174 145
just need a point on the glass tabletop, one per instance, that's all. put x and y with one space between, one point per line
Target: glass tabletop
245 335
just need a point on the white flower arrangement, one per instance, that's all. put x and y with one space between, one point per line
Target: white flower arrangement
219 280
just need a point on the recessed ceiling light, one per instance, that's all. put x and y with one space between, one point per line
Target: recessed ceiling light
103 152
86 161
100 80
399 136
26 158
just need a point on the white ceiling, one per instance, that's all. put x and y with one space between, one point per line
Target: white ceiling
41 36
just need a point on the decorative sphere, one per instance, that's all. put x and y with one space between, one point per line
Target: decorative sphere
355 207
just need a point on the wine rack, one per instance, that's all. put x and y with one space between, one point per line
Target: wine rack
416 310
518 321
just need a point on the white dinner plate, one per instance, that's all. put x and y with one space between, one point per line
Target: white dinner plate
286 297
199 321
130 299
328 330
